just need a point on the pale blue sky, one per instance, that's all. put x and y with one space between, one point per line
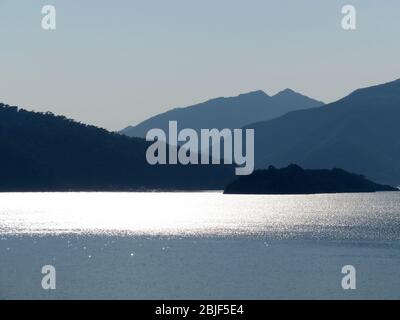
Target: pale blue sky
115 63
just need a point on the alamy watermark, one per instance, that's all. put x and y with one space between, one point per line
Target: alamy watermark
349 280
349 20
196 150
49 279
49 18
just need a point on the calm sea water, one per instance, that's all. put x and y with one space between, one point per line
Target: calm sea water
199 245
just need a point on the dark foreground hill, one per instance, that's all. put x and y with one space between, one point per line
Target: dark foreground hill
43 152
359 133
231 113
295 180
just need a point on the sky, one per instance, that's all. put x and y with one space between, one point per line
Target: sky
116 63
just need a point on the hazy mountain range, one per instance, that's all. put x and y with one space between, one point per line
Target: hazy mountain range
359 133
231 113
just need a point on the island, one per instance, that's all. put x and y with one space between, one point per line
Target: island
296 180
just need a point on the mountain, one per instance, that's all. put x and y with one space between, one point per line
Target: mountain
43 152
359 133
296 180
231 113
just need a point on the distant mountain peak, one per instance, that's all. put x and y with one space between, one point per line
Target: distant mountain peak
287 91
289 96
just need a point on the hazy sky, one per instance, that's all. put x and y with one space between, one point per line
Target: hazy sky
115 63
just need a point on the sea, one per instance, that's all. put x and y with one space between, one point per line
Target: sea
203 245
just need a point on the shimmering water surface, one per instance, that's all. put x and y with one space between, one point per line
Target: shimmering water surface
199 245
346 216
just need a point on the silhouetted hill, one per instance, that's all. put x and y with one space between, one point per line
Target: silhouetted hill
358 133
231 113
295 180
40 151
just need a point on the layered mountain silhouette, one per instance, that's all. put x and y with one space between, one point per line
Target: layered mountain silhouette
296 180
231 113
359 133
43 152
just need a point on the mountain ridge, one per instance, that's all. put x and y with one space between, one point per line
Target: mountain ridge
356 133
44 152
226 112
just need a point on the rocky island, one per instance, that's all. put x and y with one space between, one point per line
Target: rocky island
296 180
